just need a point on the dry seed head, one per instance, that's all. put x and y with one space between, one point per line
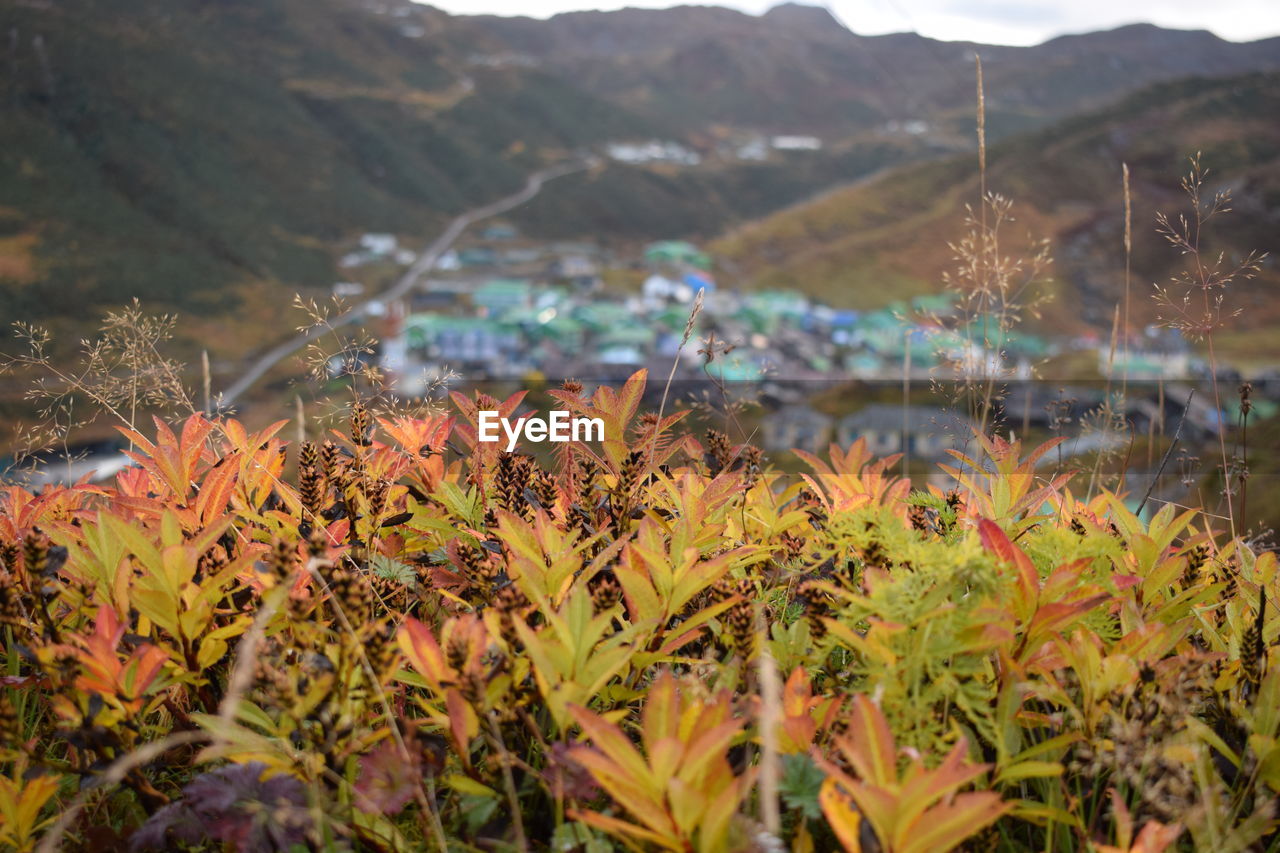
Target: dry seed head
9 556
584 478
212 560
722 589
817 606
375 492
353 594
544 487
740 620
300 606
718 448
476 564
629 473
511 480
308 455
317 544
311 489
10 601
792 546
329 456
605 590
1252 655
380 646
282 559
510 603
360 425
572 386
35 552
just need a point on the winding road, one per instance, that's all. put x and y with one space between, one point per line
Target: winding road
424 264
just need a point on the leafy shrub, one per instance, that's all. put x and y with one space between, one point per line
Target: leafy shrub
417 641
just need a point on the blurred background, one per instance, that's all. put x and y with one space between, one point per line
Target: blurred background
890 220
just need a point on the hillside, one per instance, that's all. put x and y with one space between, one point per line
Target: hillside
866 245
183 147
192 153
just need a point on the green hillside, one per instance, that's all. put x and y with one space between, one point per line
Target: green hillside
868 245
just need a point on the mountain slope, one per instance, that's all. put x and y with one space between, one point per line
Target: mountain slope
870 244
168 151
191 152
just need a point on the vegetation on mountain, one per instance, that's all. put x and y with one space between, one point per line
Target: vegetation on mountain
1068 186
418 641
193 153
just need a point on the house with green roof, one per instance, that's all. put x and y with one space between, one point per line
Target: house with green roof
460 340
676 253
502 294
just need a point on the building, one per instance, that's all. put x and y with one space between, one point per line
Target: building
379 245
499 231
796 428
502 294
460 342
676 253
796 143
924 432
653 151
477 256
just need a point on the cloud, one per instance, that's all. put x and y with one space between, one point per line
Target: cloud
987 21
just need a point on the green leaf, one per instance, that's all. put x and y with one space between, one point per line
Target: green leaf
800 783
477 810
578 838
393 570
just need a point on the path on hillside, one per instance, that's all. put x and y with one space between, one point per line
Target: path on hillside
424 264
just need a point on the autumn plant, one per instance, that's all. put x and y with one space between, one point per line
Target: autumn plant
397 637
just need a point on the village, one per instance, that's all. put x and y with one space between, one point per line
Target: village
503 308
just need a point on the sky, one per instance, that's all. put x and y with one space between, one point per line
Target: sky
984 21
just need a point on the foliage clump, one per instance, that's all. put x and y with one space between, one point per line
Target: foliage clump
413 640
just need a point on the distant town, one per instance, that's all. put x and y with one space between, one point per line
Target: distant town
501 307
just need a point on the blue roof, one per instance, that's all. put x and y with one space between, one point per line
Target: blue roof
699 281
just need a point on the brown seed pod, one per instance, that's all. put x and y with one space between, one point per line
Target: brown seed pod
511 480
544 488
605 590
311 489
11 608
35 552
351 591
510 603
282 559
817 607
330 453
375 493
476 564
361 426
718 451
740 621
9 556
308 455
